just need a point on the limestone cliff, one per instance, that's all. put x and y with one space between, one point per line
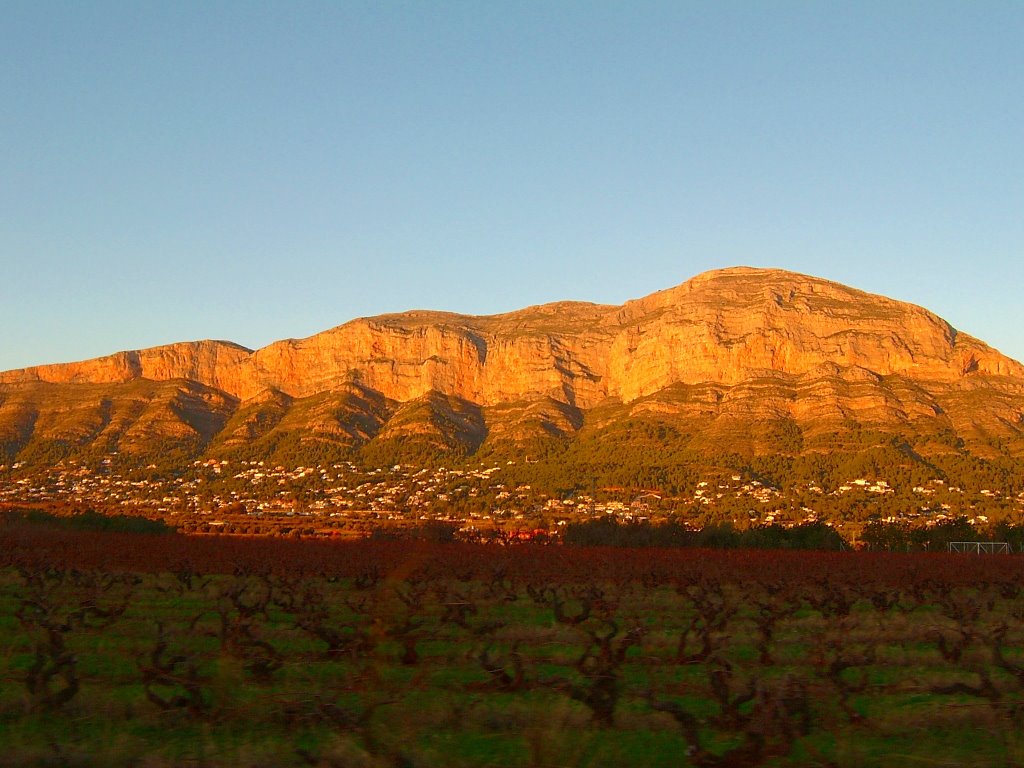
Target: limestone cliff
730 347
724 326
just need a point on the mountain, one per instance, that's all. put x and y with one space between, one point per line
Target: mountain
737 362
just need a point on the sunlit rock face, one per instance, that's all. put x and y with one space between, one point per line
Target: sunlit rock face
741 343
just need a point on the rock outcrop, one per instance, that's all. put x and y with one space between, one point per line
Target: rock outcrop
737 345
725 327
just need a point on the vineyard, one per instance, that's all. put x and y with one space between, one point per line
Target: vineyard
123 649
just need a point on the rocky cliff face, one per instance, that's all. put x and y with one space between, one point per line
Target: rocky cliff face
744 343
725 327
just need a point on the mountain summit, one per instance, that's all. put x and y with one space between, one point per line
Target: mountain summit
740 355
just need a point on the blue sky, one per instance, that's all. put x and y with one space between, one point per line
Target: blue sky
254 171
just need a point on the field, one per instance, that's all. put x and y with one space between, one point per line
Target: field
135 650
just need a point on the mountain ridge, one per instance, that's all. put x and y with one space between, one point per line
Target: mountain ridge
244 372
756 360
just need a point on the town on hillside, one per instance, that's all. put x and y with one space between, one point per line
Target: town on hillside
482 503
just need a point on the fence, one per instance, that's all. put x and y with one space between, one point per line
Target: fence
980 547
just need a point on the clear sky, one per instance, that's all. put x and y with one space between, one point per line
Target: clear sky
259 170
